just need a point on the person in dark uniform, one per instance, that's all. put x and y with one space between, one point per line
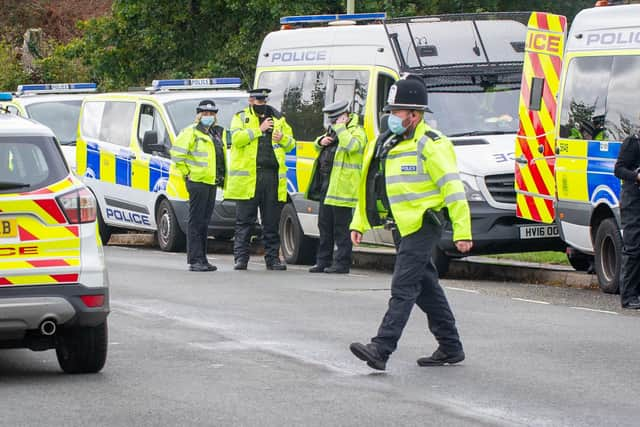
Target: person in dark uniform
199 154
257 178
627 168
334 183
409 177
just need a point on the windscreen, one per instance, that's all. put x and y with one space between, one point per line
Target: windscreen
60 116
182 112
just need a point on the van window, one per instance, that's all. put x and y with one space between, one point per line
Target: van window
585 95
60 116
384 84
623 108
108 121
301 96
150 119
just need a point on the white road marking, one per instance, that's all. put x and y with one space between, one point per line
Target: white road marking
531 301
593 309
357 275
471 291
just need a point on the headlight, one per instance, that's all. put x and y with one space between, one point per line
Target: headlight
471 188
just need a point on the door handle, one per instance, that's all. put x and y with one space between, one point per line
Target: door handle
522 160
133 156
540 148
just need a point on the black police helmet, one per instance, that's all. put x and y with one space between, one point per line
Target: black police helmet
408 94
207 105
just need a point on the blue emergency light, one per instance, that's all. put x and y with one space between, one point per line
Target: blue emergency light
187 84
57 88
317 19
5 96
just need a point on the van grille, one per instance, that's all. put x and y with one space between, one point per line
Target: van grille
501 187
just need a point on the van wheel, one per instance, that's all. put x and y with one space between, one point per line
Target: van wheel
103 229
441 261
82 350
296 247
169 235
608 256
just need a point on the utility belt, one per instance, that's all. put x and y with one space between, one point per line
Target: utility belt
437 218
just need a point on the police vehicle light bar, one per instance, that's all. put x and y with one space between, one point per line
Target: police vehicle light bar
317 19
57 88
5 96
186 84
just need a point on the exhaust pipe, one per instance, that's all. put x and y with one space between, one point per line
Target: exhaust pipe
48 327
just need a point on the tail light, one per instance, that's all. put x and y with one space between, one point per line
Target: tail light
79 206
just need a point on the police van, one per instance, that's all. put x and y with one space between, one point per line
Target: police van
123 156
471 64
56 106
567 145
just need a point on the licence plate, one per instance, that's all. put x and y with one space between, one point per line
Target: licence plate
8 228
539 231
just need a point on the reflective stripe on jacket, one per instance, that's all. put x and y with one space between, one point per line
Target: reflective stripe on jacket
245 134
194 155
420 173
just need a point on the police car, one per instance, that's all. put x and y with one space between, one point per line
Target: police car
53 282
123 156
56 106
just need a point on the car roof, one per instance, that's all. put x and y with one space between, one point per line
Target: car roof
41 98
14 125
167 96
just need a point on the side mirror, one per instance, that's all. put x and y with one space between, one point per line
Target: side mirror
150 143
384 123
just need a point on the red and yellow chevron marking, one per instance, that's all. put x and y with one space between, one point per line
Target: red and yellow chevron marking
45 249
535 181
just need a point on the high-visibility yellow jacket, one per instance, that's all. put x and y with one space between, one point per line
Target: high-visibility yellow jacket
420 173
347 164
245 134
195 155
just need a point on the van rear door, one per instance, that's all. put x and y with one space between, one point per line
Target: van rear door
535 148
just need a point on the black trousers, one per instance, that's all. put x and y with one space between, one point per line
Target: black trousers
266 199
630 216
333 223
415 281
202 198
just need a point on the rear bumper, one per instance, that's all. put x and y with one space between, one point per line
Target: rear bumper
23 308
497 231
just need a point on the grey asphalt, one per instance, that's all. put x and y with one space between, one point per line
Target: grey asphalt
271 349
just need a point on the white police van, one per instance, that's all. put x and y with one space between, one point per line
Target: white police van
55 105
472 65
123 156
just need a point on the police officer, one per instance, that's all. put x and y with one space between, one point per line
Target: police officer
627 168
199 154
410 176
258 176
336 173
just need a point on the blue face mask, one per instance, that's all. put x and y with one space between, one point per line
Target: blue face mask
395 125
207 120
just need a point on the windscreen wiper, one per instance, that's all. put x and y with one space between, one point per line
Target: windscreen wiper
6 185
69 143
481 132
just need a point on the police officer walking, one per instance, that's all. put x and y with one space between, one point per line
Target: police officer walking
410 176
627 168
258 176
199 154
334 179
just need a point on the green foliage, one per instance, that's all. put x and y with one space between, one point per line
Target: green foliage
12 73
145 39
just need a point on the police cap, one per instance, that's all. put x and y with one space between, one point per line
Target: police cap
259 93
408 94
207 105
336 109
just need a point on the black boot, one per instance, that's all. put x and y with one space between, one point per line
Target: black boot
370 354
337 270
240 265
318 268
275 264
439 358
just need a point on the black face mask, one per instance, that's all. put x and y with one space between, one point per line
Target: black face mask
260 109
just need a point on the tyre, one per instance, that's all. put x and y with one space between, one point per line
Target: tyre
103 229
169 235
580 261
608 256
82 350
296 247
441 261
